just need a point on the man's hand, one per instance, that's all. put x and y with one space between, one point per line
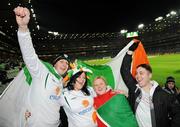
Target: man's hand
27 114
22 18
134 46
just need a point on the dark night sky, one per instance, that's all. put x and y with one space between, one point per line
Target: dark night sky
77 16
99 16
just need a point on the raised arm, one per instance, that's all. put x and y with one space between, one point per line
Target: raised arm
34 65
126 73
126 68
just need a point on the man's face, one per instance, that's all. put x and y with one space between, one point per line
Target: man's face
61 66
143 77
170 85
99 86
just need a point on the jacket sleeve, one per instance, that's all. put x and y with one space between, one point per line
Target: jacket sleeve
174 110
126 73
33 63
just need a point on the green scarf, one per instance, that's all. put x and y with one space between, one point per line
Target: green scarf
47 65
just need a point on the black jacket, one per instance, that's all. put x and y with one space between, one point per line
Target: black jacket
164 104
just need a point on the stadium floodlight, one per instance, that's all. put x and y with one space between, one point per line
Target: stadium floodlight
32 10
55 33
34 15
173 12
140 26
38 27
50 32
159 18
123 31
168 15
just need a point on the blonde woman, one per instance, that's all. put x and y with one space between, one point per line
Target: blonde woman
112 108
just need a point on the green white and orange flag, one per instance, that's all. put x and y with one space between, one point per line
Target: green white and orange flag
116 112
111 70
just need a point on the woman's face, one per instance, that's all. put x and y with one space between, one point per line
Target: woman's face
99 86
171 85
80 81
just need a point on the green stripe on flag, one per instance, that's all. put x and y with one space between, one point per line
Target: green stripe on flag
99 70
28 76
117 113
51 69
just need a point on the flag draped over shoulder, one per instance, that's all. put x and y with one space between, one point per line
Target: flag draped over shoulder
47 65
116 112
13 98
111 70
12 102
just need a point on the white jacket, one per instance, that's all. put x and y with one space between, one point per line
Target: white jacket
45 90
79 108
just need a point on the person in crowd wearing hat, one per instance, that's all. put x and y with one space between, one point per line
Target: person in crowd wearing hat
46 87
114 107
150 103
170 86
77 99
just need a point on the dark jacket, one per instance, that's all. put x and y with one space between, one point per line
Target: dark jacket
164 105
173 91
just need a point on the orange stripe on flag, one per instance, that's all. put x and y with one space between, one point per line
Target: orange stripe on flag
139 57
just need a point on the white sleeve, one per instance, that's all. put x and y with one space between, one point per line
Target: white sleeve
33 63
62 100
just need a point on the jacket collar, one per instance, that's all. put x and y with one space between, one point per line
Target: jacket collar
154 86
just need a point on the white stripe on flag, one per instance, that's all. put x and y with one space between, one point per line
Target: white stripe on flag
115 65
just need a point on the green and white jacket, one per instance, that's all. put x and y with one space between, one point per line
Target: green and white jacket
46 87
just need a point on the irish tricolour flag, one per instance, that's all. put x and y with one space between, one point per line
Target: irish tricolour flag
12 100
111 70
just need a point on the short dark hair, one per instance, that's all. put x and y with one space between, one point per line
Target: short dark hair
145 66
70 85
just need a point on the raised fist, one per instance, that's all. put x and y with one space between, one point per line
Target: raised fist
22 16
134 46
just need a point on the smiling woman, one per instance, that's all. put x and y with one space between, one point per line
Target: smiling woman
112 108
78 82
77 100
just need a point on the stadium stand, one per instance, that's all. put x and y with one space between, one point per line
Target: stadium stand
159 37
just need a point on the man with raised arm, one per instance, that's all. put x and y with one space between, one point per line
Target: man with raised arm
46 86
